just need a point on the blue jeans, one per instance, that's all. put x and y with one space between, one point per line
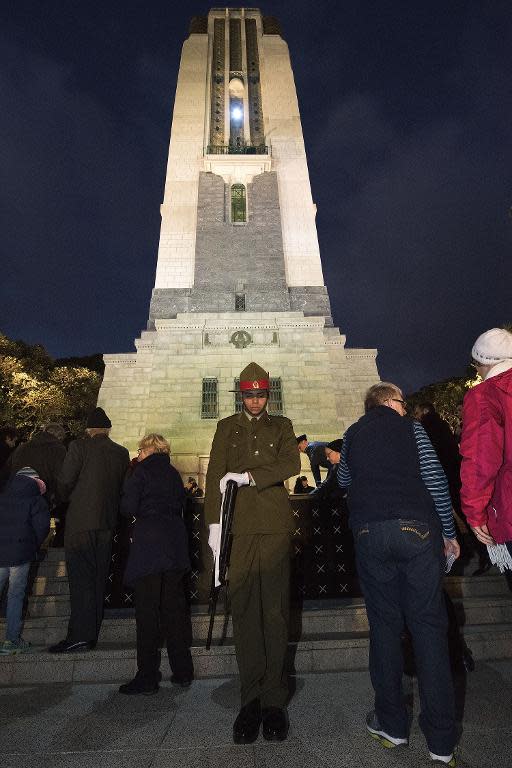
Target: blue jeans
401 565
18 577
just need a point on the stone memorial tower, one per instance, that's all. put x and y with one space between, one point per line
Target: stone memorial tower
238 275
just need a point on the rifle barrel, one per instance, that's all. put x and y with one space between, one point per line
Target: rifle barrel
227 515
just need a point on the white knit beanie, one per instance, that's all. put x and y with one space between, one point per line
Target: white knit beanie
492 346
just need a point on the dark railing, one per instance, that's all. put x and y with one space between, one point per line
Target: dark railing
323 561
232 149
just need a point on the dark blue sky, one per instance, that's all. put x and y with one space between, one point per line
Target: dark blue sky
407 115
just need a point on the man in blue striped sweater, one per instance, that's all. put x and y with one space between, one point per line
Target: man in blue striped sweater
400 513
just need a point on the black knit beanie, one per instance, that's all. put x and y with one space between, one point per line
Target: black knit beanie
98 419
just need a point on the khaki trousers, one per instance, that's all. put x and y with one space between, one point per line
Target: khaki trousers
259 586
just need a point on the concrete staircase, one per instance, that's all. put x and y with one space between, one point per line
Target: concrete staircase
325 635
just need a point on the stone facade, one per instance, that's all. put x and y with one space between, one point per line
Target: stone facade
235 284
233 259
159 387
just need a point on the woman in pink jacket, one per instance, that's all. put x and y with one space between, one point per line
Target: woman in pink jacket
486 447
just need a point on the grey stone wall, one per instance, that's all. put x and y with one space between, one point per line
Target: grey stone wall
167 302
239 258
313 300
244 258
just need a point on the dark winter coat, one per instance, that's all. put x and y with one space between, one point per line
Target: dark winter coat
92 478
5 452
315 451
154 495
44 453
444 443
383 460
329 488
24 521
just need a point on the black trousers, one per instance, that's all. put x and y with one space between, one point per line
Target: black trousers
162 614
87 564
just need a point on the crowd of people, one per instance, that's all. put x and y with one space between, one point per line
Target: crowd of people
403 480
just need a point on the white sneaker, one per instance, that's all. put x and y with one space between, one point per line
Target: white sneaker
374 729
443 759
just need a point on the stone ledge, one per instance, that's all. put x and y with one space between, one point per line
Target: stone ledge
341 652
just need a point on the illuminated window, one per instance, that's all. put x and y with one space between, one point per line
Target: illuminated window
238 204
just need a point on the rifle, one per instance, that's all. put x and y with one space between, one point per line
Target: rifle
227 514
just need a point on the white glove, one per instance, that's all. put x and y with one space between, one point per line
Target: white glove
240 480
213 536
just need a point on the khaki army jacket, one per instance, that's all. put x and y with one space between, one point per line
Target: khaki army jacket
268 450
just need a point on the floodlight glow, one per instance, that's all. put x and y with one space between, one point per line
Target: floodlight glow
236 113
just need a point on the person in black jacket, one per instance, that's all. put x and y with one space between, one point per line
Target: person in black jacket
329 488
315 451
8 437
158 562
91 478
302 485
45 452
24 525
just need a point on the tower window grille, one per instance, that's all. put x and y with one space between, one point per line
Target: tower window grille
275 400
235 45
240 302
238 204
210 399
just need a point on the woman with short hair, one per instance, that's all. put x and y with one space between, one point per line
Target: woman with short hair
157 565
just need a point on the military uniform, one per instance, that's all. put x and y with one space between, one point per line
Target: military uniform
259 572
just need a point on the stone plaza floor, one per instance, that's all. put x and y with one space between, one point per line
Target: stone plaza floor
93 726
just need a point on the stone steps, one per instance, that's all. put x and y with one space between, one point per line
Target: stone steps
52 569
46 586
471 610
116 662
50 595
325 634
47 619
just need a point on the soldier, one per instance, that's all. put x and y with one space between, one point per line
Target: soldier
259 452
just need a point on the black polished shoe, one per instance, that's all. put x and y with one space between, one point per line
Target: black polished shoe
139 686
183 682
71 646
247 725
275 723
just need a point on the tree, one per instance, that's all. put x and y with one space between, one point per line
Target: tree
35 389
445 395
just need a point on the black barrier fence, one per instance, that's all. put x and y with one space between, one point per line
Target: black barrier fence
323 564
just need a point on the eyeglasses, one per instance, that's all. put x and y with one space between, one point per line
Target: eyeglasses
396 400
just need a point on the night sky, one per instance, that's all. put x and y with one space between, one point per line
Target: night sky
407 117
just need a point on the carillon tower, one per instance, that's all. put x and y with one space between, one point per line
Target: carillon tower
238 274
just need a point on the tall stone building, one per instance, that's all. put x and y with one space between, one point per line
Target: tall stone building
239 275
